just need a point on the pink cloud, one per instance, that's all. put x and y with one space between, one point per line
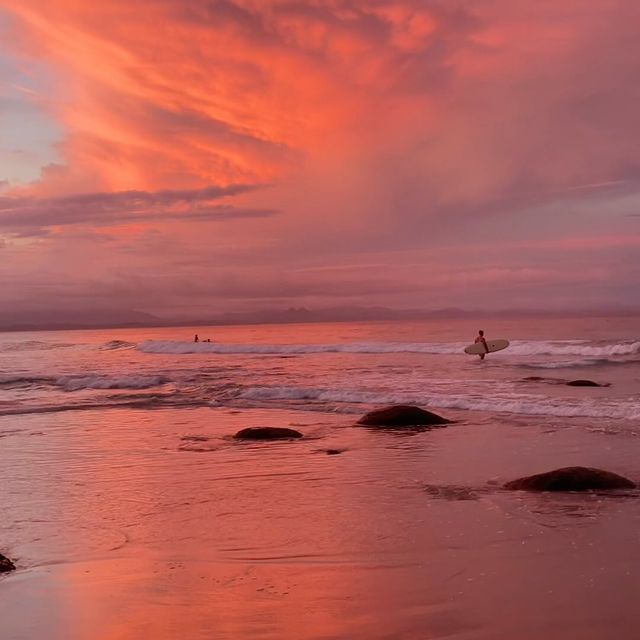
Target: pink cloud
392 131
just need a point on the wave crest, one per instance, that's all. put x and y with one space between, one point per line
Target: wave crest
516 403
75 383
117 344
517 348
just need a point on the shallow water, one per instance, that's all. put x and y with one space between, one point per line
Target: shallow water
129 522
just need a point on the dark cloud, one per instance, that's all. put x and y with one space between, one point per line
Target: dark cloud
27 216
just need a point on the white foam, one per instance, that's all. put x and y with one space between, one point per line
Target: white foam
95 381
117 344
575 348
517 348
524 404
567 364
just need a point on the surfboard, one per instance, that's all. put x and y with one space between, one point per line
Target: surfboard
478 348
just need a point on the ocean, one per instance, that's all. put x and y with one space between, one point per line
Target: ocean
131 512
342 367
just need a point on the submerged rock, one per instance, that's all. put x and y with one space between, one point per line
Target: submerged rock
585 383
545 380
401 416
6 565
267 433
572 479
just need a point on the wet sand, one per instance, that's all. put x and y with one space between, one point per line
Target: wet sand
129 524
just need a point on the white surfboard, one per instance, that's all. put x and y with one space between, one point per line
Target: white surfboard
494 345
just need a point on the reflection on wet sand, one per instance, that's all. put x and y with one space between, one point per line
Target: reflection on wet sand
122 534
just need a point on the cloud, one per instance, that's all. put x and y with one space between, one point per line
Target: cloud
29 216
435 101
441 140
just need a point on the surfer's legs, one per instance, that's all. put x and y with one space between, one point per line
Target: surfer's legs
481 356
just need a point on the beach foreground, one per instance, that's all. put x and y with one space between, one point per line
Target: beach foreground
129 523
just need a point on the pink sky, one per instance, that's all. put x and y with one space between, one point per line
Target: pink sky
186 157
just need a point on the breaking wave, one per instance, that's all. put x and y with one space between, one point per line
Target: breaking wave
89 381
516 403
75 383
583 362
517 348
576 348
117 344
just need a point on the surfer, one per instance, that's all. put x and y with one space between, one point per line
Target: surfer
195 338
480 338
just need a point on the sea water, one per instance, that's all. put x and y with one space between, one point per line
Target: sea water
343 367
132 513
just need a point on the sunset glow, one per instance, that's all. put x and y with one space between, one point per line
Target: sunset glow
246 154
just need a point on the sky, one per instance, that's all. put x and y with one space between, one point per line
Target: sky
189 157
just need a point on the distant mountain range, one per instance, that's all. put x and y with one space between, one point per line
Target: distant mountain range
74 319
114 318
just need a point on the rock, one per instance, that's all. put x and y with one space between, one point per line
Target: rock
571 479
585 383
333 452
6 565
267 433
402 416
544 380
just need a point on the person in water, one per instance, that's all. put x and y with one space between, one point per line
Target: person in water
196 339
480 338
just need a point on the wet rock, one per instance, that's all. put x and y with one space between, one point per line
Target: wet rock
6 565
572 479
402 416
544 380
267 433
585 383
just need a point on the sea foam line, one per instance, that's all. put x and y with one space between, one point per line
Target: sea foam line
77 382
518 348
524 404
86 381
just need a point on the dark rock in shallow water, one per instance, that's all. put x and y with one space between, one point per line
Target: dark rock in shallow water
545 380
572 479
402 416
585 383
267 433
6 565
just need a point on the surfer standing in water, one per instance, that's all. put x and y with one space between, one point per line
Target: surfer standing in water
480 338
